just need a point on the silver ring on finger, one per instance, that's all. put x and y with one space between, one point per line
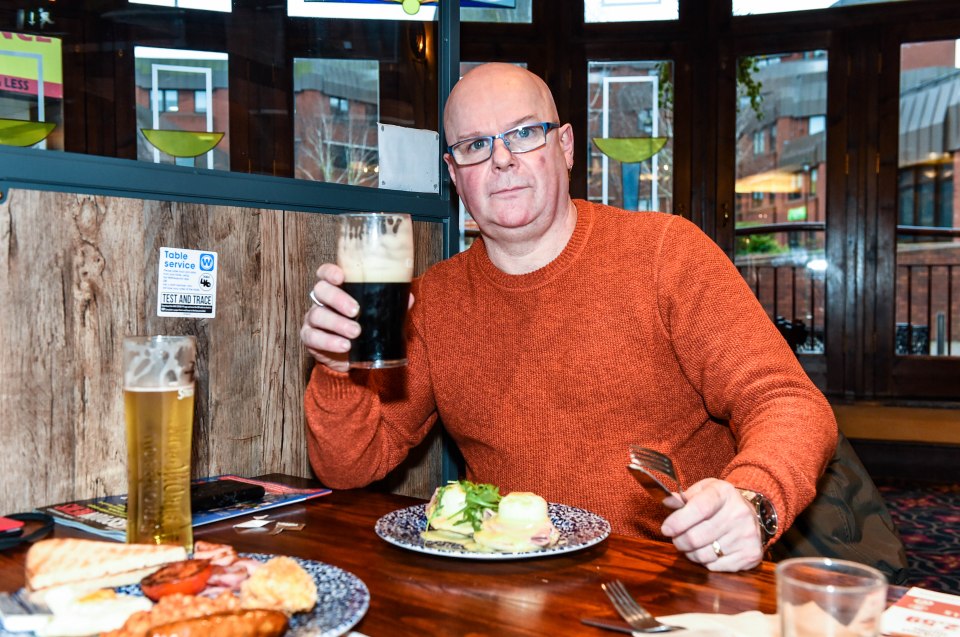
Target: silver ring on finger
315 301
716 549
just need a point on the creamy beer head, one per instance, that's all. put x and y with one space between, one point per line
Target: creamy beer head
376 248
158 361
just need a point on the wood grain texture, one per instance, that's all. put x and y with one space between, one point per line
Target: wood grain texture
79 272
416 594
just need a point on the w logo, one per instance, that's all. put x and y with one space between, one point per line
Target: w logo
206 261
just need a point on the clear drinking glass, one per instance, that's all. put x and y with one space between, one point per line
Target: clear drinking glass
158 389
375 251
823 597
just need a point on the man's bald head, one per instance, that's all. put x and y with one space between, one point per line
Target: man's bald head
505 84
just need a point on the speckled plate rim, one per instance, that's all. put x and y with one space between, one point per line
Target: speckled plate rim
579 529
350 602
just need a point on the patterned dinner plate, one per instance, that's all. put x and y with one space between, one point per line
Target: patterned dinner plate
342 601
579 529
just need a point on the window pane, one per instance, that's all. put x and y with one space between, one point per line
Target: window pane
106 117
496 11
630 125
31 91
172 130
780 164
747 7
928 234
336 104
629 10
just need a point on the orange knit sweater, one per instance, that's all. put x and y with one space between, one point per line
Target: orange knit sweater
640 332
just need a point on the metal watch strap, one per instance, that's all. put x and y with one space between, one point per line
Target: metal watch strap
765 512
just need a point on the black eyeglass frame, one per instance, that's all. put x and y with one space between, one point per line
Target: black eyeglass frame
546 126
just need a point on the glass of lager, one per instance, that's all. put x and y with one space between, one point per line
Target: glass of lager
375 251
158 399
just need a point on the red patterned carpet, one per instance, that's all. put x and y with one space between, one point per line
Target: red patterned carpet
928 518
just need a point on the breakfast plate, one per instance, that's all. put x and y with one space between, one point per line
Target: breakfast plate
579 529
342 600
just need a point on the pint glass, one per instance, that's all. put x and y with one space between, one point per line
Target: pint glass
375 251
158 399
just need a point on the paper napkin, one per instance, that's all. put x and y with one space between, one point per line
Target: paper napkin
749 624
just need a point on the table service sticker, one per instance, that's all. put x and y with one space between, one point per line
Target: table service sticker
579 529
187 283
923 612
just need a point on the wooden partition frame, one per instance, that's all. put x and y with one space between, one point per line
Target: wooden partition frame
78 272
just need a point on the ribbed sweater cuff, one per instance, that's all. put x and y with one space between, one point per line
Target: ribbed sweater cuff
332 384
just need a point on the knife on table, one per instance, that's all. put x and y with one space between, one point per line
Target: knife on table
612 624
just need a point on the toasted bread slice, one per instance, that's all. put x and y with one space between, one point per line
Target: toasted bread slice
69 561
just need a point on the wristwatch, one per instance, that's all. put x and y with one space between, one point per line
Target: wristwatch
766 514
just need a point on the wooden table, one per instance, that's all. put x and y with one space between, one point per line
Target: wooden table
417 594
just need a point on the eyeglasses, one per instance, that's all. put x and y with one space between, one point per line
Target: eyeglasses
521 139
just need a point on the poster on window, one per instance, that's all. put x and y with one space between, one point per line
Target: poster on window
31 91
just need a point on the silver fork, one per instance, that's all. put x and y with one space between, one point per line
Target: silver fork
633 613
647 460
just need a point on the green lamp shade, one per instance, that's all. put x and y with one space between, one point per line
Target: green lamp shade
18 132
630 150
412 7
182 143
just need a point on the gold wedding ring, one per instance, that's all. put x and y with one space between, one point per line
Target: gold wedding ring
716 549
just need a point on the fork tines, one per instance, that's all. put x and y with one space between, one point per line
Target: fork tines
655 461
652 459
624 602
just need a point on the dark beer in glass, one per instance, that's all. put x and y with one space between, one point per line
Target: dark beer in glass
375 251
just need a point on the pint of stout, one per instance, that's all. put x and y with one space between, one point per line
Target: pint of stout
158 391
375 251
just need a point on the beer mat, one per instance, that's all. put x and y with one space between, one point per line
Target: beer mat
923 613
107 516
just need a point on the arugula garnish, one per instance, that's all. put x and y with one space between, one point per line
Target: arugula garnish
479 498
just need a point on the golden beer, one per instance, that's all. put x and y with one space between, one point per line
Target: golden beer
158 389
159 432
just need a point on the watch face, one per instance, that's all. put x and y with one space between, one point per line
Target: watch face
767 515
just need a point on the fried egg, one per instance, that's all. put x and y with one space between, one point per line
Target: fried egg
521 524
89 613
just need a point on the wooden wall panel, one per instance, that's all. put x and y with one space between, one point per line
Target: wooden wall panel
79 272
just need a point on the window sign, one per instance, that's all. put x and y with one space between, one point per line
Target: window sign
422 10
747 7
630 10
31 90
208 5
514 11
173 127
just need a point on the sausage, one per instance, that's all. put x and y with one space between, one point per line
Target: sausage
253 622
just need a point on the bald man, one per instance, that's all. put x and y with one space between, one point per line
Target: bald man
567 332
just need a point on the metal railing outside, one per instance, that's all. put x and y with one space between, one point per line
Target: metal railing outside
926 299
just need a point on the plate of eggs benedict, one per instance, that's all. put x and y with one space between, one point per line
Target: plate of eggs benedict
473 521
